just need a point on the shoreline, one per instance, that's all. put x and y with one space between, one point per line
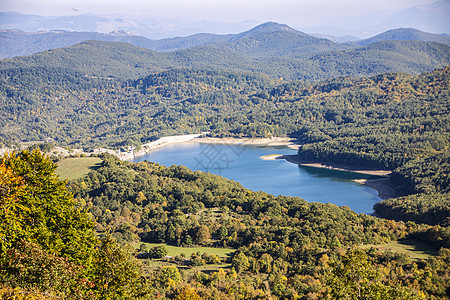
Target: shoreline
268 142
384 187
315 164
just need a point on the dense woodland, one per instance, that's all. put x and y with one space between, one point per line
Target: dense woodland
274 54
392 121
287 248
65 239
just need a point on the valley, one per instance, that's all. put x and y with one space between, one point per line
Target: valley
109 188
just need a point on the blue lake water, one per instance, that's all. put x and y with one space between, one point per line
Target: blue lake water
278 177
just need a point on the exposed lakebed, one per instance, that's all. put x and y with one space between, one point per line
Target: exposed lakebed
243 163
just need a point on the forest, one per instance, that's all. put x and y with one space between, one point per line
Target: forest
392 121
287 248
73 239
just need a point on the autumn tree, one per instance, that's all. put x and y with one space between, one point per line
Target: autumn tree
354 277
37 208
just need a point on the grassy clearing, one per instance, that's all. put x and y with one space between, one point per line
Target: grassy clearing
148 265
212 214
413 248
77 167
174 251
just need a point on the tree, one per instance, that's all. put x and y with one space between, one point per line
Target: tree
140 198
37 208
202 235
167 276
187 293
116 273
355 278
157 252
47 243
240 262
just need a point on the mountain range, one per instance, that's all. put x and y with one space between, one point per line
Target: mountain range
126 61
268 40
431 17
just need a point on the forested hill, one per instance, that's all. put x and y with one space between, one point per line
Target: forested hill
266 40
114 95
122 60
402 34
283 247
276 42
392 121
16 42
37 102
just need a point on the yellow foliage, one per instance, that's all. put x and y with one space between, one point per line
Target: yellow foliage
8 293
188 293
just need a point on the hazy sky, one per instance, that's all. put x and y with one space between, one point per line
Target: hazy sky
295 12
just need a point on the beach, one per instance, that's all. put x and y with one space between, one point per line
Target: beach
295 160
269 142
385 188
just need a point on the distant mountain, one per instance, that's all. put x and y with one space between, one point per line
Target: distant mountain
432 18
412 57
276 40
151 27
122 60
337 39
19 43
267 27
268 39
34 23
405 34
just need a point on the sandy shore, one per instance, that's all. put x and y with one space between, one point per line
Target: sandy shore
164 141
271 156
269 142
295 160
383 185
200 138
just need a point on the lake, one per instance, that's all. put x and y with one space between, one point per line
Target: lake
242 163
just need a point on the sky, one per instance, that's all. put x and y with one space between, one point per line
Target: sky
294 12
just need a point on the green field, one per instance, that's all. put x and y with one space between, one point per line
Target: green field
413 248
152 264
77 167
149 265
174 251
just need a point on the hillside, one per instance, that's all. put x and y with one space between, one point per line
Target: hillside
19 43
270 239
405 34
122 60
288 43
372 122
412 57
96 58
274 40
268 40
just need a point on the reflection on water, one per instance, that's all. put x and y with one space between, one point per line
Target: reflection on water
279 177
